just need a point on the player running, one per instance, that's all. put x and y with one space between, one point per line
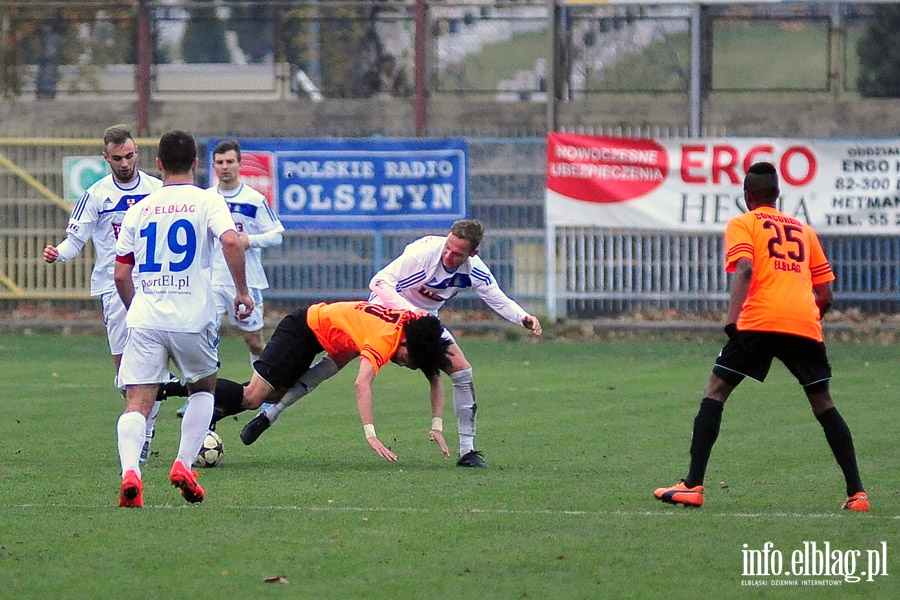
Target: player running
162 274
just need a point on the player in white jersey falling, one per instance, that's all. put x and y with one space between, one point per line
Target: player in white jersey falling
162 274
98 217
430 271
257 228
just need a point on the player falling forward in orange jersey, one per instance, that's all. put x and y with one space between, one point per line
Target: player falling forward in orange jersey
344 330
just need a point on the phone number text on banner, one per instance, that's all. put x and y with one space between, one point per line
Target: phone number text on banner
837 186
366 184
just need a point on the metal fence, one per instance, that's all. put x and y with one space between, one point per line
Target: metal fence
609 271
598 271
506 179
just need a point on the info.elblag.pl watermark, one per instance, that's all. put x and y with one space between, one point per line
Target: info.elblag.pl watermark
812 564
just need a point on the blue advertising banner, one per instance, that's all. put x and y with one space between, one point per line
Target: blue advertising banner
364 184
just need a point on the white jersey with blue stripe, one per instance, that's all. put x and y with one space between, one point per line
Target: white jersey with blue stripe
253 216
418 277
98 216
170 236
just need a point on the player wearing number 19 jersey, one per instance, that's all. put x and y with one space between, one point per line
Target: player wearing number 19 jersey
162 274
781 289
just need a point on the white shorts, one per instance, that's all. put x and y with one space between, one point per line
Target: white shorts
224 296
147 354
114 319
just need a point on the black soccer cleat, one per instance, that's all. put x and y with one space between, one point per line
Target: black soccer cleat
255 428
472 458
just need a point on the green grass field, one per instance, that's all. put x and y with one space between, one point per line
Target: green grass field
576 435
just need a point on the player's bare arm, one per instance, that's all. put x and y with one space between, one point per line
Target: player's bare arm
363 388
740 287
124 283
824 297
436 433
236 260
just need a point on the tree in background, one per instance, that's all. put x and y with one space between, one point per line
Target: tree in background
879 54
204 37
254 25
85 35
339 46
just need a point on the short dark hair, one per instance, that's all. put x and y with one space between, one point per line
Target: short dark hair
761 182
116 134
470 230
427 346
223 147
177 151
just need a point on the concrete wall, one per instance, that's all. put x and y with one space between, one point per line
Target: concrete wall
236 114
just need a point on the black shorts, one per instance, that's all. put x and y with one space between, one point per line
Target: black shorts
750 354
289 352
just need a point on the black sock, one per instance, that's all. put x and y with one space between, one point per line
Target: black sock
706 432
229 397
838 435
172 388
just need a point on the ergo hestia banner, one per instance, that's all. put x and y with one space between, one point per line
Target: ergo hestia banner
837 186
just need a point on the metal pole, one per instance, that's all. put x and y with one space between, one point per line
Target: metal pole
696 70
420 69
144 58
552 117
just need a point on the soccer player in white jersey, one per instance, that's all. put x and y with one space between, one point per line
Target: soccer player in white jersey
162 274
98 217
430 271
258 228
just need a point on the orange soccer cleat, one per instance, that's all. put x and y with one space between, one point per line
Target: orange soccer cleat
858 502
186 480
680 494
131 494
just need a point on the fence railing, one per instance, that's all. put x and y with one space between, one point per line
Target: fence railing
598 271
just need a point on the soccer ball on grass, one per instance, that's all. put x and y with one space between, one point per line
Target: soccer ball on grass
211 452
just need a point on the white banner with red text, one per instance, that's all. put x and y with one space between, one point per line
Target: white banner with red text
694 185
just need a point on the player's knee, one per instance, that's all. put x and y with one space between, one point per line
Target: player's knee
462 378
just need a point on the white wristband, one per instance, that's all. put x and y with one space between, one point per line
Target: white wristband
369 430
437 423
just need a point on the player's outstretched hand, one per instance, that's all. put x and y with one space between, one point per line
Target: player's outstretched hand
438 438
381 450
533 324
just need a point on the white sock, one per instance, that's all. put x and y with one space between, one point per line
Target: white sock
464 404
253 359
151 420
309 381
130 432
194 426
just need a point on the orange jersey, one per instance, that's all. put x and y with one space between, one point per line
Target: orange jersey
372 331
787 261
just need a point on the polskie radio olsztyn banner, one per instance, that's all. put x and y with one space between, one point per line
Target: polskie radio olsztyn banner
370 184
837 186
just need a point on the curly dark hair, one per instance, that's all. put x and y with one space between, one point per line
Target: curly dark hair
427 349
